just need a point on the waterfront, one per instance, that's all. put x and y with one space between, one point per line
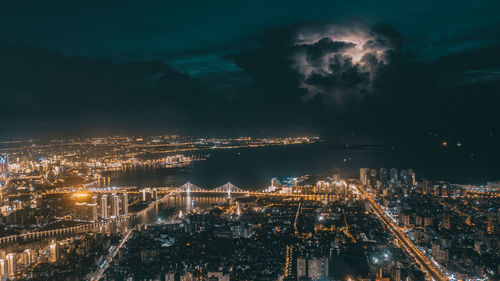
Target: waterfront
253 168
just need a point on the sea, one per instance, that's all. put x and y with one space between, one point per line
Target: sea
253 168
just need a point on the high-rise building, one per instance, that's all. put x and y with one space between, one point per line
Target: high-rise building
275 182
93 208
394 174
144 195
11 265
3 269
301 267
154 194
322 187
81 210
104 207
404 176
289 262
383 175
54 253
115 206
318 268
125 203
363 175
27 256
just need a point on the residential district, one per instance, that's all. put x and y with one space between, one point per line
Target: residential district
60 219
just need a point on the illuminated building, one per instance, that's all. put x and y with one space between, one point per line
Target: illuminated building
27 257
404 176
144 195
125 203
317 268
154 194
301 267
104 207
322 187
3 269
92 206
54 252
81 210
363 175
219 276
275 182
289 261
11 265
3 165
115 206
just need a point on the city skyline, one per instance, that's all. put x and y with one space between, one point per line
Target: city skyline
249 140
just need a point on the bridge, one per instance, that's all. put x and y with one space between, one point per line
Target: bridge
190 188
37 235
227 188
187 188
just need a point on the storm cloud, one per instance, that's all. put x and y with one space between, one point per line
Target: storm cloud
343 61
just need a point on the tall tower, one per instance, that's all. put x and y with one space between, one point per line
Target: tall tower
115 206
104 207
363 175
125 203
11 265
54 252
93 208
154 194
3 269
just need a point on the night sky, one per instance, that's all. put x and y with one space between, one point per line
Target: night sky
385 70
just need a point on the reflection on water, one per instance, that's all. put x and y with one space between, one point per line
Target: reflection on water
163 209
169 207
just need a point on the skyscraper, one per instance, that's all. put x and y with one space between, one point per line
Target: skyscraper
11 265
3 269
115 206
363 175
27 256
93 208
125 203
317 268
154 194
54 253
301 267
104 207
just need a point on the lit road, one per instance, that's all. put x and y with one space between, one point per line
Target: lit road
425 263
109 258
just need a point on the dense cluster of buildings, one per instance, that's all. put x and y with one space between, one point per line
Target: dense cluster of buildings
456 226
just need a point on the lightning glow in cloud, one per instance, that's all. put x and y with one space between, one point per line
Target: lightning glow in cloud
340 61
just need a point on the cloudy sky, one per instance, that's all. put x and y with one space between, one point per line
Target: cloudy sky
382 69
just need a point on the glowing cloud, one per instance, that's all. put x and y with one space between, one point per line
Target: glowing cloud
342 62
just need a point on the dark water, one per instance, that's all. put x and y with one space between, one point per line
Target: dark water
253 168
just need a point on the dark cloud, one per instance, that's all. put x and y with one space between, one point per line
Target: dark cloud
343 61
44 90
384 91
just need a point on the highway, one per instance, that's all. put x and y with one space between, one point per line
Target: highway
109 258
425 263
